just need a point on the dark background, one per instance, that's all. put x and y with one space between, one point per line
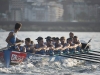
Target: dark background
51 26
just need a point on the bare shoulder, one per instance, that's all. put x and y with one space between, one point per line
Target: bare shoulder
11 34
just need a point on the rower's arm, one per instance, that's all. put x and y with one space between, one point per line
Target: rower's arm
36 48
79 44
32 48
66 47
74 46
44 47
19 39
9 37
51 48
58 48
41 48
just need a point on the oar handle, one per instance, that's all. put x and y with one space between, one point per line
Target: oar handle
11 46
18 43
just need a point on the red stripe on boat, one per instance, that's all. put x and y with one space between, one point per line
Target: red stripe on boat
17 57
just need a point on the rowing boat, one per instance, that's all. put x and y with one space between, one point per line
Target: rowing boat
14 57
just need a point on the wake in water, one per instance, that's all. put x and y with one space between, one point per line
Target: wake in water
50 66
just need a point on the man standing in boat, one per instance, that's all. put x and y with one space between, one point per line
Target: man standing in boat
12 37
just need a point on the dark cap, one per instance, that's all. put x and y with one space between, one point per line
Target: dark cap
39 38
48 38
57 38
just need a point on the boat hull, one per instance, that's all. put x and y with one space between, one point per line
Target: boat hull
12 57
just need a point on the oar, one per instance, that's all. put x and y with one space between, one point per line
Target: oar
81 58
95 51
94 54
88 43
10 46
87 56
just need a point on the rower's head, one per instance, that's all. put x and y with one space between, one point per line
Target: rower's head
40 40
32 42
70 40
18 26
71 34
57 40
48 40
75 39
53 39
62 39
28 41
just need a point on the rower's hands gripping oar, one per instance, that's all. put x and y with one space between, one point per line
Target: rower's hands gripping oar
11 46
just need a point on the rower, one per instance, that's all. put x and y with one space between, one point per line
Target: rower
72 46
40 48
71 35
53 40
12 37
19 47
65 46
77 43
32 42
58 46
50 46
29 46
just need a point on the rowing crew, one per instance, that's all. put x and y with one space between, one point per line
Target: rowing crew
52 45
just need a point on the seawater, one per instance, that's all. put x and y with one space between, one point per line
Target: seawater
65 66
